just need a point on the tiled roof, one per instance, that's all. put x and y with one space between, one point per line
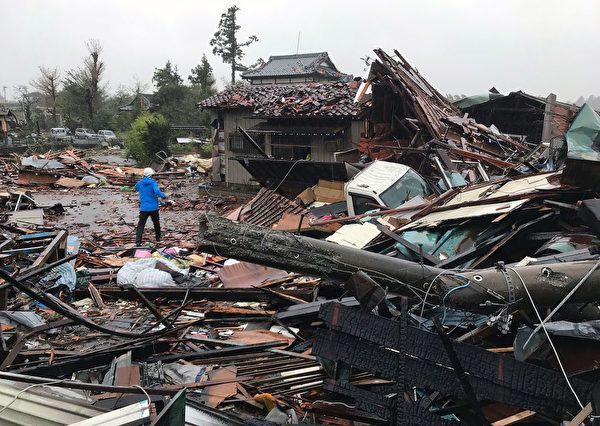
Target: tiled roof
325 100
295 65
6 113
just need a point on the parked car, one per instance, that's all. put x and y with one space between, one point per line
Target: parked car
60 133
107 135
83 133
109 139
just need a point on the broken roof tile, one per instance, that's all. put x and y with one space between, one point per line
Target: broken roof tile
298 100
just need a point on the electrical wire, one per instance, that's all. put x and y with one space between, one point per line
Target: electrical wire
425 298
26 389
448 294
286 175
145 393
431 285
352 407
560 364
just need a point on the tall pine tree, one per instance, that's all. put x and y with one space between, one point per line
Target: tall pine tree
202 77
225 43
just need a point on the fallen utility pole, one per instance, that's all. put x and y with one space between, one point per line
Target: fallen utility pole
305 255
470 289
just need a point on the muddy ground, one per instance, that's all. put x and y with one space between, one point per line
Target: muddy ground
111 213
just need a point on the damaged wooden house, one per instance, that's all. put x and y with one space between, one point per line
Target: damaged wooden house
297 109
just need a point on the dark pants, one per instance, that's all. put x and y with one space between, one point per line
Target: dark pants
142 224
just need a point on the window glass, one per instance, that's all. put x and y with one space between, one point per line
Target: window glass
238 145
362 203
290 147
408 186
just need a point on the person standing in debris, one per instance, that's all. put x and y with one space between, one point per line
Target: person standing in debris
149 194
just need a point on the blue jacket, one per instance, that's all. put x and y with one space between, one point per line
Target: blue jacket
149 193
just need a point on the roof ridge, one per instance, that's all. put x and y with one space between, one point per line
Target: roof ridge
298 55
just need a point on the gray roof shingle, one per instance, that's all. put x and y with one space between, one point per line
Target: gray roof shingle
295 65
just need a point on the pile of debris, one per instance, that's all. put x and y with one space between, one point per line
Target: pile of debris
473 256
132 330
451 278
70 169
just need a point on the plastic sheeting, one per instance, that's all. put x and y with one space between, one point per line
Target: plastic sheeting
583 137
143 273
40 163
64 274
184 373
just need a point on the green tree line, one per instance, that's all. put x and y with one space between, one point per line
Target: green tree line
80 96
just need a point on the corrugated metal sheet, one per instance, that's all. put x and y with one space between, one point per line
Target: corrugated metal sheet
514 187
522 186
246 274
435 218
266 209
43 406
583 136
134 414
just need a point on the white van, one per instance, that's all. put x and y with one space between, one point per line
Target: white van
107 135
383 183
83 133
60 133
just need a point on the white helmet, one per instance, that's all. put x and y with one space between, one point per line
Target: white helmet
148 171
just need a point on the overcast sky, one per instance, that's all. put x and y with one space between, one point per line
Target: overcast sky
460 46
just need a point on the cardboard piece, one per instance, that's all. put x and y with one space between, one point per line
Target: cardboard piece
329 191
326 191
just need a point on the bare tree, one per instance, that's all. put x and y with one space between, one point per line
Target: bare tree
26 101
48 84
138 86
88 78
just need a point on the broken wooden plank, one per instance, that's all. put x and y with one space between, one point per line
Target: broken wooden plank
515 418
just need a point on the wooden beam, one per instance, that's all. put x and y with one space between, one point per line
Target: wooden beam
59 240
515 418
581 416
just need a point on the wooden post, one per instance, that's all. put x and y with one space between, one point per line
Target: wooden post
548 115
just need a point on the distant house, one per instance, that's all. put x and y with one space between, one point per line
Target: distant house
292 69
8 122
289 123
141 101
